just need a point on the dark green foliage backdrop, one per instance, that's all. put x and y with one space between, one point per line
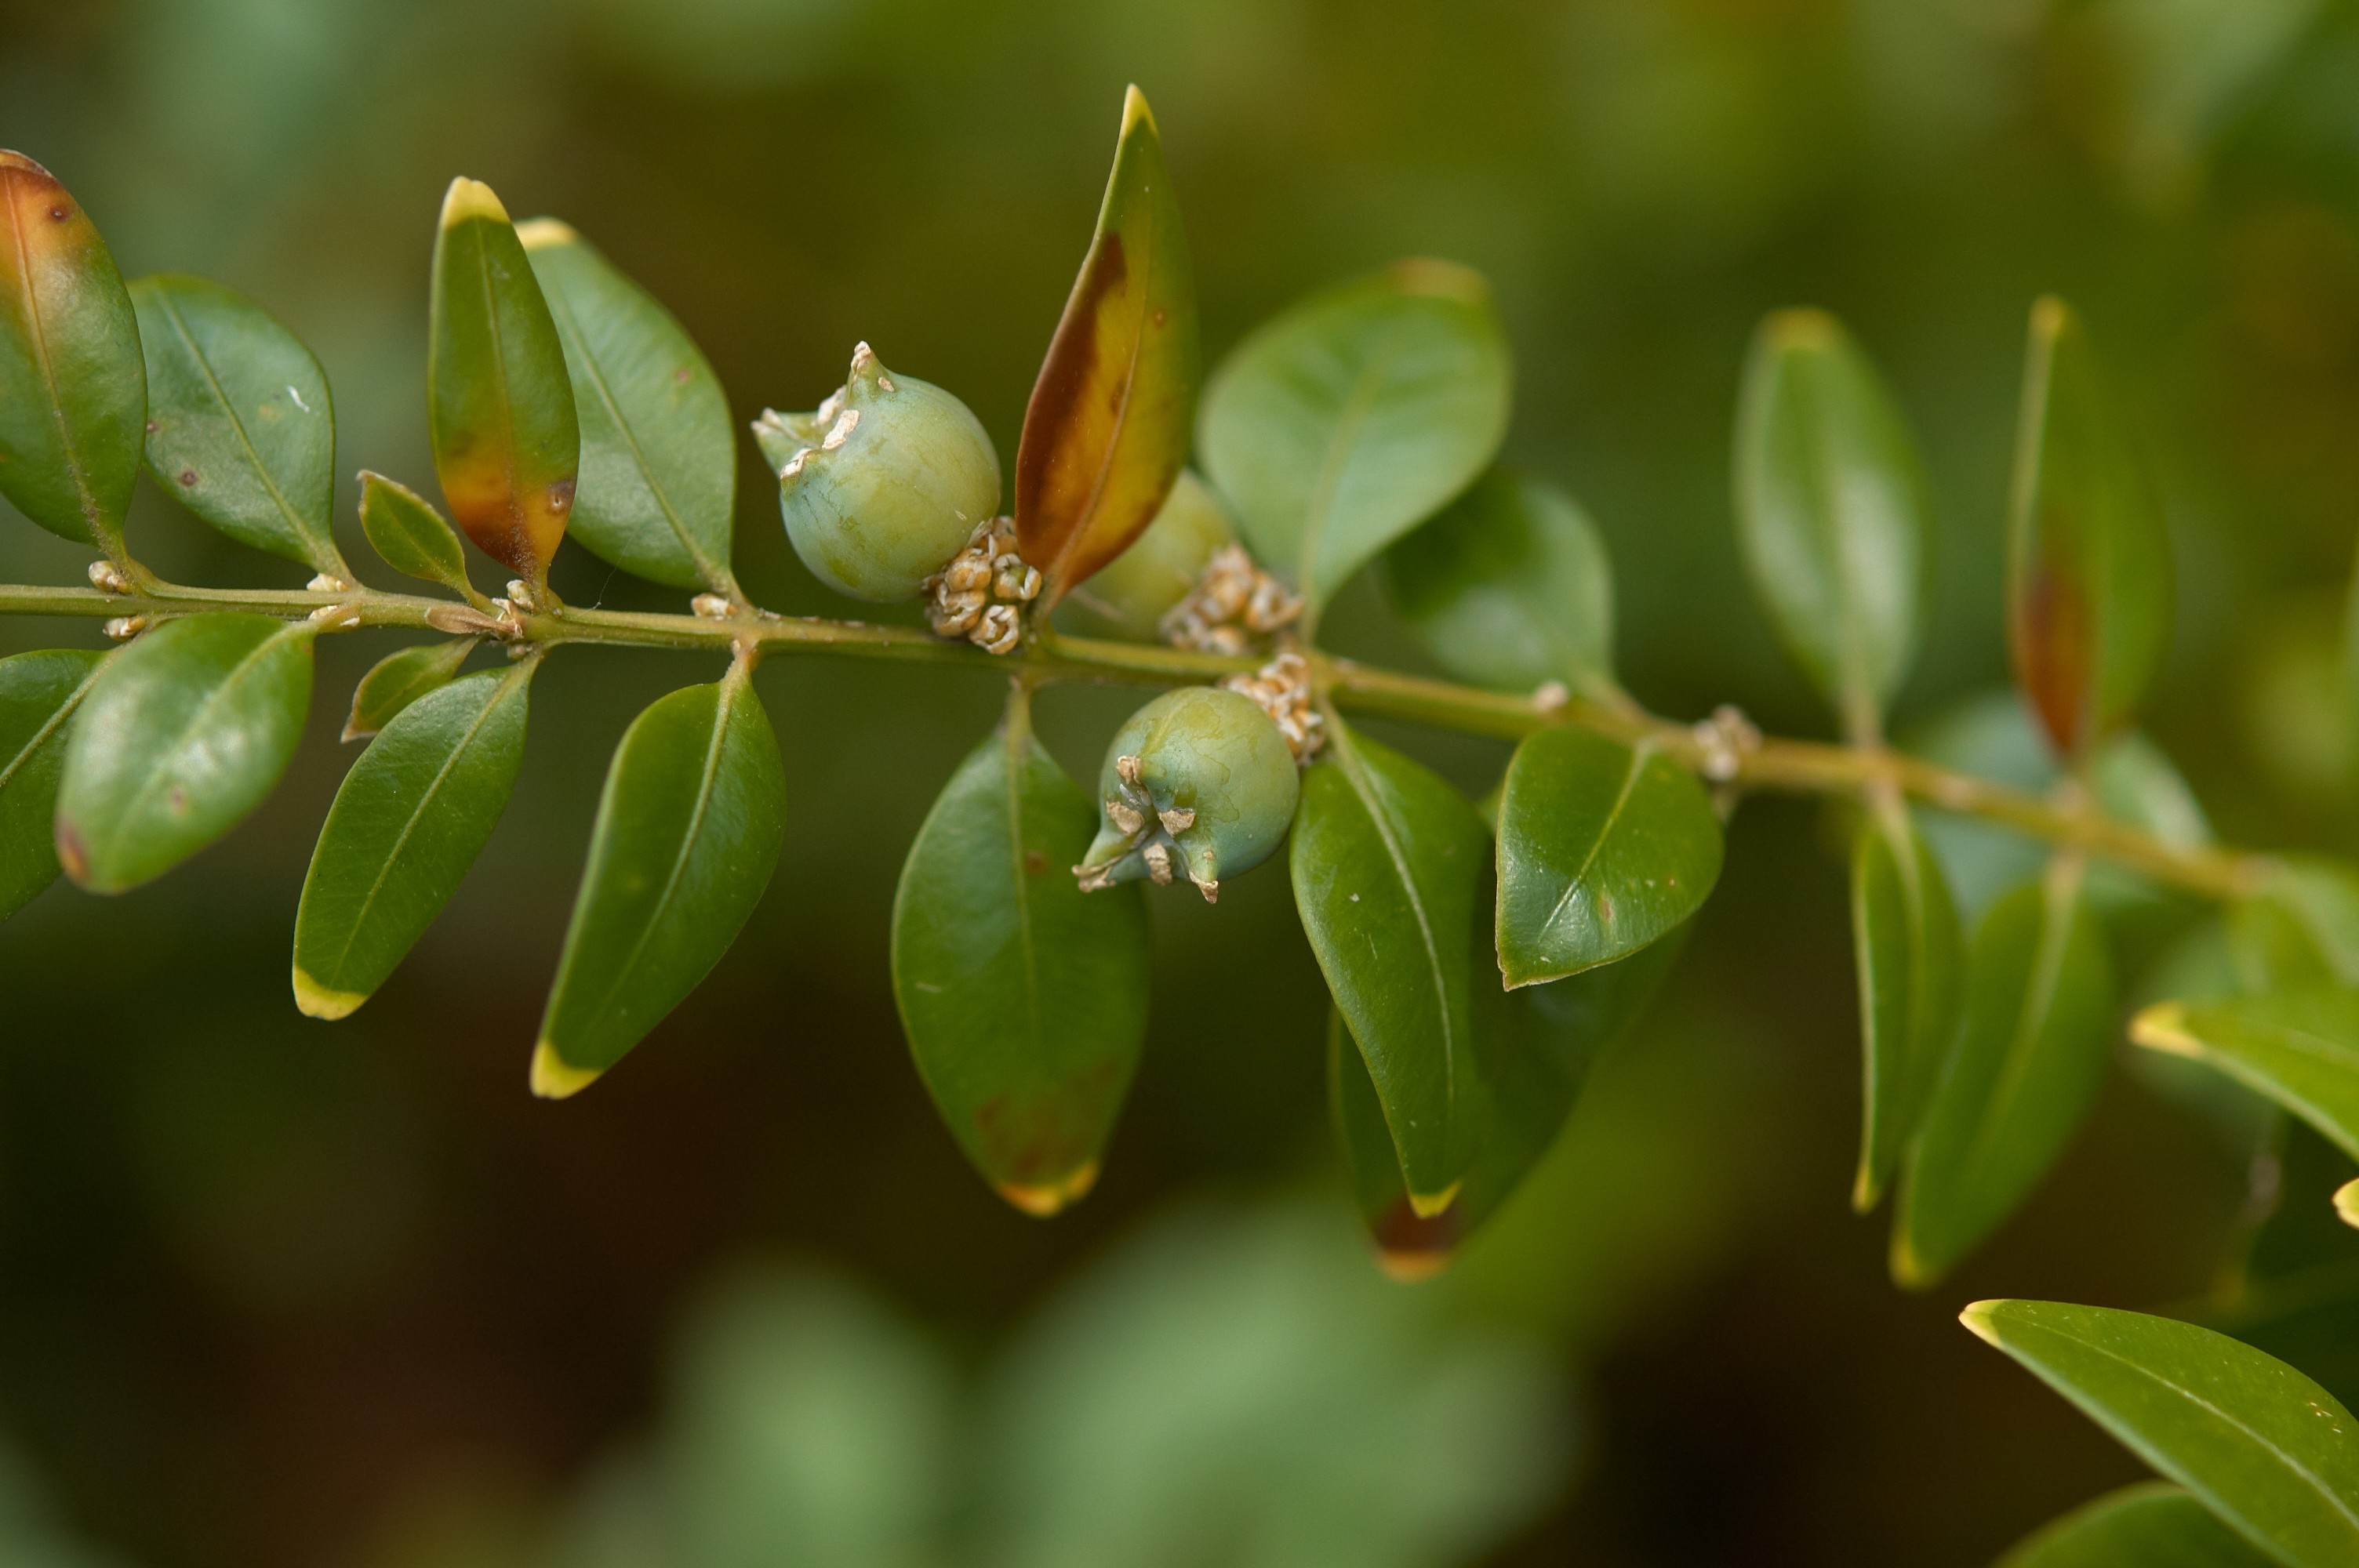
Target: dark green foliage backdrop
274 1295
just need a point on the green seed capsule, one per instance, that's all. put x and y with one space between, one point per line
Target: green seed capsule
1128 599
1200 784
883 483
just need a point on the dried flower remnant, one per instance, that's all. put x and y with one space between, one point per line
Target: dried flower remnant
1233 603
981 594
1282 689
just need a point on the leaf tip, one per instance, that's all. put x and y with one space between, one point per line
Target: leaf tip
2347 1202
1427 1205
555 1078
2163 1027
1135 111
316 1000
1413 1266
1977 1319
1866 1190
2050 317
468 200
1800 327
545 233
1440 279
1910 1269
1047 1199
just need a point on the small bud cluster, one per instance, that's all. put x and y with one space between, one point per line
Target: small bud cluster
1282 689
1234 602
981 595
1726 739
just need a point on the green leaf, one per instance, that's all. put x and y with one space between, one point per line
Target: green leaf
240 426
403 528
2301 1048
1024 998
408 820
2271 1454
1128 599
1910 962
2301 929
2088 577
1386 862
39 694
658 453
188 729
1108 426
2150 1525
688 830
74 396
1534 1048
1830 511
1509 588
401 679
507 445
1602 847
1342 424
2020 1077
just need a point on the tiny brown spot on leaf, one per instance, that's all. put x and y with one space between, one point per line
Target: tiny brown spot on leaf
188 476
177 801
683 375
153 427
560 496
1035 862
60 214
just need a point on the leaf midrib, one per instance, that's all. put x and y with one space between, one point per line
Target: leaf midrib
136 807
1078 535
303 534
2039 997
50 725
1340 445
41 340
1640 757
1348 757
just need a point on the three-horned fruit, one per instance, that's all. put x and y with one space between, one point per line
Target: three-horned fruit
1129 597
1199 784
882 483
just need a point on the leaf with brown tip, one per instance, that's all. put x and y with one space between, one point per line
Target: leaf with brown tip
1108 426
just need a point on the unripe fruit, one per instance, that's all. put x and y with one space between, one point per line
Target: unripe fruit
883 483
1198 783
1129 598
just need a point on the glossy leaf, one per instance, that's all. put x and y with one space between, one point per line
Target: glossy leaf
499 408
1602 847
39 694
73 395
403 528
1108 426
409 821
2301 1048
1024 998
1534 1048
240 428
2300 930
2271 1454
1342 424
659 455
2151 1525
401 679
1910 962
1831 512
1129 598
186 731
1509 588
1385 860
2089 576
688 830
2020 1079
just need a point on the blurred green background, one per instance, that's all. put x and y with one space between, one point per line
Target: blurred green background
277 1293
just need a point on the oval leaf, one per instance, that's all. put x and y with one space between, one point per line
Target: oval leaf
1386 862
1602 847
1509 588
188 730
240 428
507 447
1534 1048
2020 1077
1910 959
400 679
659 455
39 694
74 396
2088 575
1342 424
688 830
408 820
1109 421
2301 1048
1831 512
2271 1454
403 528
1023 999
2151 1525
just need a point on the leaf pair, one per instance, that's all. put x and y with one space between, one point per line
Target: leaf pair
1023 999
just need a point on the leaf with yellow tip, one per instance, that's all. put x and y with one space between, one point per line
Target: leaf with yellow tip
507 445
73 390
1110 418
2300 1048
688 830
1048 1200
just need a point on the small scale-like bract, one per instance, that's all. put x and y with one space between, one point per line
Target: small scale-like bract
883 483
1200 784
